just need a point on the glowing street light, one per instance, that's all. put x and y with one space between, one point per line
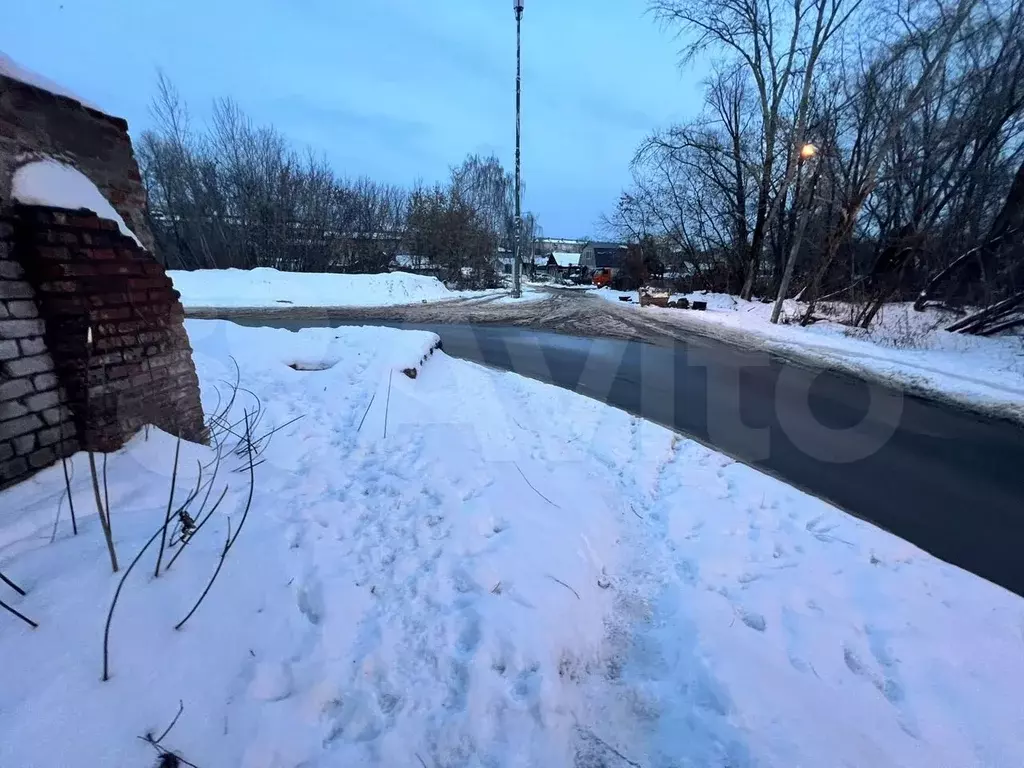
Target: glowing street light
807 151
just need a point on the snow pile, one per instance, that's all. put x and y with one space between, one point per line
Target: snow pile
10 68
903 347
264 288
474 568
48 182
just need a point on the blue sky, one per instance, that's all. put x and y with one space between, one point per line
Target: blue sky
395 89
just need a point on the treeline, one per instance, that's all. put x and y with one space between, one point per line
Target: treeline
853 149
234 194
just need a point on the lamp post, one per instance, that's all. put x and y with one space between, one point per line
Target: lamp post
807 154
517 5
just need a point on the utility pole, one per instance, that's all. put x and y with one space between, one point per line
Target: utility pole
517 243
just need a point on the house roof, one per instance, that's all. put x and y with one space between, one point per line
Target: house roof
596 244
566 259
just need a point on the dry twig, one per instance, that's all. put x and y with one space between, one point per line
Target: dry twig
553 578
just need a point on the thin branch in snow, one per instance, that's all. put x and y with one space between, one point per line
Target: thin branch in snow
199 514
117 594
167 515
11 584
421 760
368 406
168 759
387 404
247 467
67 486
198 527
231 539
104 517
56 520
181 708
106 498
554 578
549 501
270 433
21 616
635 512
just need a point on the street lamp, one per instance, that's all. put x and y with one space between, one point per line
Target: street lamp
807 154
517 5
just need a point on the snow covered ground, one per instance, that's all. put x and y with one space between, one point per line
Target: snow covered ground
472 568
264 288
270 288
904 347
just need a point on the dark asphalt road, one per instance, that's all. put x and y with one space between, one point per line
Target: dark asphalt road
948 481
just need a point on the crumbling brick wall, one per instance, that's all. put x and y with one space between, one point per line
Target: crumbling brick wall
111 329
35 123
35 427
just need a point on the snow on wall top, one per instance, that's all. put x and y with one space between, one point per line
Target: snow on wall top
47 182
10 68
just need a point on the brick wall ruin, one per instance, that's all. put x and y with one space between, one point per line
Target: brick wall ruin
35 123
92 341
31 411
75 278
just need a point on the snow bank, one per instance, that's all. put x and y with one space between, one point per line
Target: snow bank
265 288
13 70
905 348
48 182
474 568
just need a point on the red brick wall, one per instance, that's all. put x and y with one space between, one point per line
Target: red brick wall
87 277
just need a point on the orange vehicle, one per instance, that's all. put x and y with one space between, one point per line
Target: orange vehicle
602 278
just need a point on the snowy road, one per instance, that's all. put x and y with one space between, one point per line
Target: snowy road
944 479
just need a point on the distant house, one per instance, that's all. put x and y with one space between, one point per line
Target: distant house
504 261
597 256
566 259
557 263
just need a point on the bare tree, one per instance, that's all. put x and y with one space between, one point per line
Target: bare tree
917 115
778 44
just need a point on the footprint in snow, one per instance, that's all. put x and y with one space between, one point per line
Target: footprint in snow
888 687
272 681
752 619
310 601
527 684
469 637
